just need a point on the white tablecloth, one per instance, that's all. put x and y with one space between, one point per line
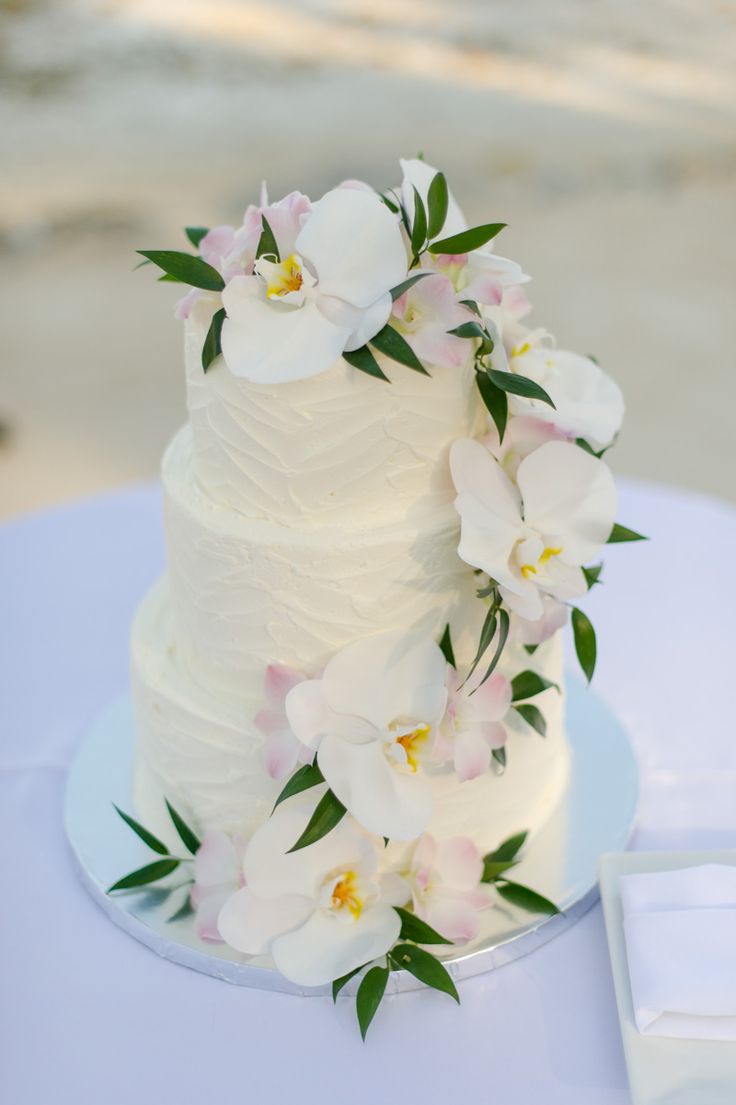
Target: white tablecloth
90 1017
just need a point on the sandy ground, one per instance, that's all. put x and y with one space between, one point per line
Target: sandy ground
603 132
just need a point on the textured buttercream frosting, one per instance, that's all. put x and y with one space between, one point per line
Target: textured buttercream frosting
338 449
300 518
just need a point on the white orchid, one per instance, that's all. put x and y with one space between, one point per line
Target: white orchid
295 315
445 881
320 912
473 723
533 537
554 616
372 718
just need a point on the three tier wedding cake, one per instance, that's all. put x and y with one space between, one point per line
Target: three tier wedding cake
388 500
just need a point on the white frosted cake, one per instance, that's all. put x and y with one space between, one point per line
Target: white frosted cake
386 501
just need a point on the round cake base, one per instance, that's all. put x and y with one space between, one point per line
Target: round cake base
595 815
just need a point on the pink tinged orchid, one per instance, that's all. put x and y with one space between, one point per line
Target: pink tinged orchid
320 912
554 617
445 880
186 304
295 315
588 402
473 723
218 872
372 719
533 537
523 435
282 751
425 313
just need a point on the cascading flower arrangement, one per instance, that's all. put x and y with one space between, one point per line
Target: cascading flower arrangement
400 274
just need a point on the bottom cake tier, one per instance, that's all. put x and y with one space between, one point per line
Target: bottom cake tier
201 750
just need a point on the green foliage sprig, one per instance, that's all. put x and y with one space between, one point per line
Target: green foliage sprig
159 869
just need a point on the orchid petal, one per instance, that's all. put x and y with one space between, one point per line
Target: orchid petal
383 799
326 948
388 676
569 496
472 755
459 863
271 870
281 753
354 245
269 342
454 917
216 861
250 924
208 912
363 322
312 718
489 509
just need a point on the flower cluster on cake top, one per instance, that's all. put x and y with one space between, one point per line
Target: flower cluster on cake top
373 278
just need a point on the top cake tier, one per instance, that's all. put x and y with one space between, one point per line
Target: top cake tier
341 447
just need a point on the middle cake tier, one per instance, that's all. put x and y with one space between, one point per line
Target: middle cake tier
245 593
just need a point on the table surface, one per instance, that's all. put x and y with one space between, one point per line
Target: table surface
91 1017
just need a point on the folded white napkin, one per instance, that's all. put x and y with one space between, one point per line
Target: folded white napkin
680 929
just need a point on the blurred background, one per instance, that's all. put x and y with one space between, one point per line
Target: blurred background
602 131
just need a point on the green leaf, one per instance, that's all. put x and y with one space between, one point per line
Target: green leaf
470 330
531 649
329 812
187 268
144 875
419 226
338 984
195 234
515 384
304 779
585 643
487 633
389 203
413 928
471 305
369 996
593 575
267 246
495 401
467 240
390 342
620 533
527 684
584 445
404 286
212 347
167 278
533 716
503 631
493 869
147 837
446 646
438 199
188 838
424 966
508 849
364 360
525 898
499 757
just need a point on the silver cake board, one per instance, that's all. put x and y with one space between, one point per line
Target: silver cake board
595 815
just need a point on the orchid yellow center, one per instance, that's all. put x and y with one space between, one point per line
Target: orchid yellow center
412 743
284 277
520 350
345 895
528 570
